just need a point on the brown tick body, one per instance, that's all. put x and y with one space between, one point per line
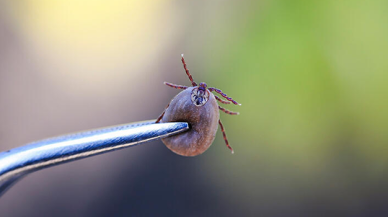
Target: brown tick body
198 106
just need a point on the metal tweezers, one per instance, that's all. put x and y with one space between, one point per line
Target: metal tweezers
18 162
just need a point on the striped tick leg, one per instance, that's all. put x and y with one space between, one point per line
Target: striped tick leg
224 134
227 111
176 86
211 89
161 115
188 73
221 100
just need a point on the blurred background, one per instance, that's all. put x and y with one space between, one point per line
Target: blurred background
311 138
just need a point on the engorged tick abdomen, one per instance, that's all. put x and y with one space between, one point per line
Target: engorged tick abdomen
203 121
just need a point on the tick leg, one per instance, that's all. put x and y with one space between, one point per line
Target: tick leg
211 89
176 86
224 134
221 100
227 111
161 115
188 73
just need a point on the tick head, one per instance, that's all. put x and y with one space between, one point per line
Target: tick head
200 95
202 86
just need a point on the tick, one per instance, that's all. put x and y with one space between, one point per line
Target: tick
196 105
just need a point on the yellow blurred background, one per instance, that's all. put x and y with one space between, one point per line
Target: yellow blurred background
311 138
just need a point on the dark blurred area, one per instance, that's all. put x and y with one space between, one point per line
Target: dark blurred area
311 138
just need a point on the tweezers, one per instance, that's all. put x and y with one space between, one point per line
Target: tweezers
18 162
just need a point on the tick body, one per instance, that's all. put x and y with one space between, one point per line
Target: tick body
203 122
198 106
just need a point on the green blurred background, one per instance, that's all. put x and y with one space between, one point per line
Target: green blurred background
311 138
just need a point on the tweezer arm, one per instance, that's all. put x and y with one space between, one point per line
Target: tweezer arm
20 161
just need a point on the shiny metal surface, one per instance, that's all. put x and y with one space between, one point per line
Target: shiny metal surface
20 161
